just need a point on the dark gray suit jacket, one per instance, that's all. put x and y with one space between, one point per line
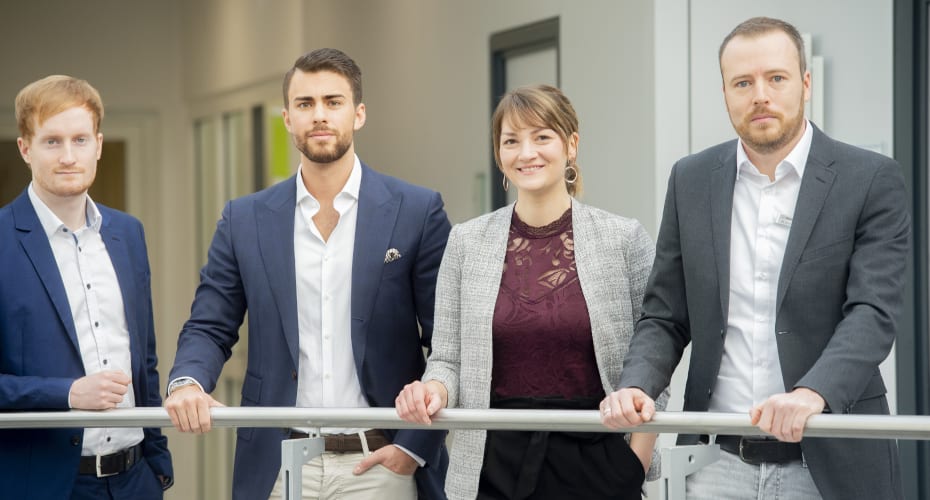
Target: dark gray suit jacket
839 297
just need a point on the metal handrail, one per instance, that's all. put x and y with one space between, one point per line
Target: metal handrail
826 425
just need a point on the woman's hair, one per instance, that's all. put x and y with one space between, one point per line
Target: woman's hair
538 106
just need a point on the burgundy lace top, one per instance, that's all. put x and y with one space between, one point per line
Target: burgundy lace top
542 341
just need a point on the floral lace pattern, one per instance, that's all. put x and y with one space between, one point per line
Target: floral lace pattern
542 345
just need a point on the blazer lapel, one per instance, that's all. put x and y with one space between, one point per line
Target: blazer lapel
376 216
35 244
275 218
815 185
115 242
722 181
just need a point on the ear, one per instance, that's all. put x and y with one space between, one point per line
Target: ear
359 116
807 86
24 149
287 119
573 146
99 146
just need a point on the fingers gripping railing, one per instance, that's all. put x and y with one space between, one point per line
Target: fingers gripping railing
678 462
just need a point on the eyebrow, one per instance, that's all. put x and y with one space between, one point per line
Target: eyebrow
534 131
327 96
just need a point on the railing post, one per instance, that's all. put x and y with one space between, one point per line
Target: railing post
294 454
678 462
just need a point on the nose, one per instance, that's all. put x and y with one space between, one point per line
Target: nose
319 114
527 151
67 155
760 94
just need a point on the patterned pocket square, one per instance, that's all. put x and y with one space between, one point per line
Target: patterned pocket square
391 255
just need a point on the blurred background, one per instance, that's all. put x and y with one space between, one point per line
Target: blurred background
192 90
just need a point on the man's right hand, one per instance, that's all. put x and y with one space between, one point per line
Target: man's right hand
100 391
627 407
189 409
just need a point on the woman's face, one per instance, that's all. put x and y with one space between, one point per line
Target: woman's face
533 158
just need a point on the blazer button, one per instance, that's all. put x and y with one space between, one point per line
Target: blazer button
294 374
723 332
709 392
75 440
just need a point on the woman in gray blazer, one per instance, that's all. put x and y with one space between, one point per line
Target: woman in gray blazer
535 305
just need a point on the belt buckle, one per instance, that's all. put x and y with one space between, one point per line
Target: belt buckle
101 474
743 457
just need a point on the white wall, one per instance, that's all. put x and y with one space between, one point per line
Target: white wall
426 69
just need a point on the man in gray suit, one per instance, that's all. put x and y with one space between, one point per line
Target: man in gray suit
781 260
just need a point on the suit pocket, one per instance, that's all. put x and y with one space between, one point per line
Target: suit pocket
842 246
251 390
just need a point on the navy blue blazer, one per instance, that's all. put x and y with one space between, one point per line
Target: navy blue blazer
250 266
39 353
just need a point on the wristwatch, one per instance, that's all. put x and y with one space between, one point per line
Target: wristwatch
181 382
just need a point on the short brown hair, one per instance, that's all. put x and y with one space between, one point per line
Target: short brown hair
333 60
45 98
761 25
538 106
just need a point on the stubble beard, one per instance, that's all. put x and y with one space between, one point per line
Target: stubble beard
326 153
757 140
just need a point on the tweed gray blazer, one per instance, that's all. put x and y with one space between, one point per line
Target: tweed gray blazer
613 256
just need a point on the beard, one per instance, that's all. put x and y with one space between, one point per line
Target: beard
774 137
324 153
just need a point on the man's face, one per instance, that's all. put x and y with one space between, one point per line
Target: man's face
63 154
764 90
321 116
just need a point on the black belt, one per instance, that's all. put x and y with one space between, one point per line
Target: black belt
348 443
757 450
112 464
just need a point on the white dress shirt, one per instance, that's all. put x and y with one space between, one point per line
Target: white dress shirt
750 370
326 366
97 310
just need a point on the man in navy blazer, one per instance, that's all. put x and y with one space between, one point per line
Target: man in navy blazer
336 267
76 326
781 260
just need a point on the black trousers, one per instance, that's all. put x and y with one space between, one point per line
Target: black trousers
522 465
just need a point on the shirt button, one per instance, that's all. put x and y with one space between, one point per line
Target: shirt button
96 323
108 439
104 361
88 286
326 376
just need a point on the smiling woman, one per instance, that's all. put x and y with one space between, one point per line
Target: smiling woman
570 280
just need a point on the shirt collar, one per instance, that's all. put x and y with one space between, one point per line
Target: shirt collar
52 224
796 159
350 189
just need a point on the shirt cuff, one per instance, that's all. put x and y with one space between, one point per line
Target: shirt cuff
181 382
413 455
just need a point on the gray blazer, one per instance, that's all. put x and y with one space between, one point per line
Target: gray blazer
838 299
613 256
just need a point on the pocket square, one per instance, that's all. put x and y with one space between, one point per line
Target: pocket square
391 255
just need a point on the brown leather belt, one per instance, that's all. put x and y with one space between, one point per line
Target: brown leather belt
757 450
112 464
348 443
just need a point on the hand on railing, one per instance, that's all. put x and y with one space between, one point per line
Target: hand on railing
189 409
785 415
418 401
627 407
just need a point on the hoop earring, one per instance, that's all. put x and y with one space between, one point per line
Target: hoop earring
506 183
571 174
